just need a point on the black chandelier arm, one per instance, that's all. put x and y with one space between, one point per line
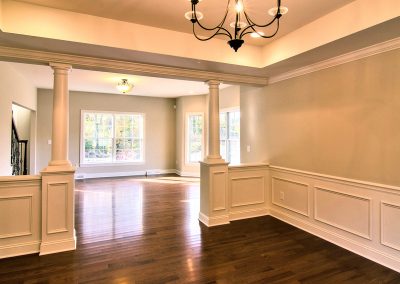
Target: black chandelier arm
219 27
277 16
263 36
252 25
208 38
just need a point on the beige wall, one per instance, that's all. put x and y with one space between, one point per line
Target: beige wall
342 121
229 97
14 88
159 128
252 127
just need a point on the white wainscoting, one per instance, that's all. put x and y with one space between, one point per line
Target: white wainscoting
247 191
20 214
360 216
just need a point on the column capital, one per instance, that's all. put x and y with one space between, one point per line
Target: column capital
60 66
212 83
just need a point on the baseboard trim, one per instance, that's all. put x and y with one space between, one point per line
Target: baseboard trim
124 174
245 214
213 221
58 246
187 174
350 245
19 249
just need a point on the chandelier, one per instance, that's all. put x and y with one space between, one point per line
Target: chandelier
242 25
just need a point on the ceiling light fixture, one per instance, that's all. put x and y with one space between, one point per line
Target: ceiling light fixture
124 86
243 25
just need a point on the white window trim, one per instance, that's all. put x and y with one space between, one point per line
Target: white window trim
224 111
84 164
186 144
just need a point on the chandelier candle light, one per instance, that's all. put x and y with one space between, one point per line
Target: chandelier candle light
242 25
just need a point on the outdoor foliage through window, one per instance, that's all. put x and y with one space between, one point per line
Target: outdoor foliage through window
230 136
112 137
195 137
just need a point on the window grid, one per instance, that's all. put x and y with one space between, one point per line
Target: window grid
230 136
112 137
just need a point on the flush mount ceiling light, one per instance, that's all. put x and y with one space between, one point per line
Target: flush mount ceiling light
124 86
242 25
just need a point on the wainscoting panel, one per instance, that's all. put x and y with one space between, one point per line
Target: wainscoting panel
247 191
390 225
16 216
347 212
219 196
291 194
362 217
57 197
19 215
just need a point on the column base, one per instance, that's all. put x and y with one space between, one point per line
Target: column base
58 246
214 192
59 166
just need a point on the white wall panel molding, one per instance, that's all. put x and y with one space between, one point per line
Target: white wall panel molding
247 191
22 224
218 180
344 211
57 197
19 215
375 254
291 194
339 180
359 216
390 225
338 60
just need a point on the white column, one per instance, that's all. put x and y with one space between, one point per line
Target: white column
213 121
59 148
214 170
58 224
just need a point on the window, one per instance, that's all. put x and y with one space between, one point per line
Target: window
194 128
230 136
111 137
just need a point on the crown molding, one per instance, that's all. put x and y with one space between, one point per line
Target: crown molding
338 60
127 67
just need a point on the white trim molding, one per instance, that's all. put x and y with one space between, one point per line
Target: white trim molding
338 60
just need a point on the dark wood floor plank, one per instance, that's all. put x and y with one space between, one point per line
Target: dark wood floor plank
145 230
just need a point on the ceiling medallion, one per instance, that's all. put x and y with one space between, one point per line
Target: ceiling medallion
243 24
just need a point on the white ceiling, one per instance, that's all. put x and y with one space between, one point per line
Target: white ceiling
170 14
102 82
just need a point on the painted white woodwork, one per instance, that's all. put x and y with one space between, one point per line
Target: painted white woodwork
360 216
338 60
60 127
127 67
58 233
232 193
213 121
390 233
248 191
214 193
289 194
20 217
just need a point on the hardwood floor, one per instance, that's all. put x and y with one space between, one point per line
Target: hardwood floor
138 230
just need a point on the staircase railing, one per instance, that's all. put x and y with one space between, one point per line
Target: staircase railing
19 149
